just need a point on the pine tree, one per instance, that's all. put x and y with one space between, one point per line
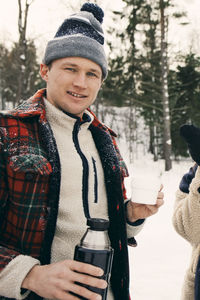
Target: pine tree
19 67
186 95
125 68
150 88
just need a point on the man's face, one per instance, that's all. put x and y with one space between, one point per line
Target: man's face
72 83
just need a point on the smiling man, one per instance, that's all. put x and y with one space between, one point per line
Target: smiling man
59 165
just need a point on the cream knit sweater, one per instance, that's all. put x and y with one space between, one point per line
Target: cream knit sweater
71 222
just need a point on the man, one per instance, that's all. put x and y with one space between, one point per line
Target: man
59 166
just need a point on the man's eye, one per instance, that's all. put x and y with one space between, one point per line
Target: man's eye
70 69
91 74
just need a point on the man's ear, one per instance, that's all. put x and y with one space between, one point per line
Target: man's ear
44 69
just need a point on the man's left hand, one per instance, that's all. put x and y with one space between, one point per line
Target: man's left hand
136 211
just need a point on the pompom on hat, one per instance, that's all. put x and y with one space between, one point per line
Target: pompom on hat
80 35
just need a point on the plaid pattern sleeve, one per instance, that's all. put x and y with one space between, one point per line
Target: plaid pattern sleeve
24 185
3 188
6 255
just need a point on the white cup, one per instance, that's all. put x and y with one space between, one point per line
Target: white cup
145 189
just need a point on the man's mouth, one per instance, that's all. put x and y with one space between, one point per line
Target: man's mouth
76 95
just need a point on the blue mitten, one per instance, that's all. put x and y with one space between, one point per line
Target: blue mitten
191 135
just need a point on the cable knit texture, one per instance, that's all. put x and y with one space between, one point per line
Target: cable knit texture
186 220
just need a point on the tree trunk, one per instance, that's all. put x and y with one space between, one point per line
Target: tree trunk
2 102
153 147
22 27
165 96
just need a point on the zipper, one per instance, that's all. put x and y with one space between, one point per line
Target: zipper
95 181
85 169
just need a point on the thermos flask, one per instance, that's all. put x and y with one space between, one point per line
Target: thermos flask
95 249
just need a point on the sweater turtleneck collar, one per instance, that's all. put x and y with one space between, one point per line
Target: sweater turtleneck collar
62 118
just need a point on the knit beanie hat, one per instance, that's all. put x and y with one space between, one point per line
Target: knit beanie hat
80 35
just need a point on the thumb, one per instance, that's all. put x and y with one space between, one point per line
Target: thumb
161 187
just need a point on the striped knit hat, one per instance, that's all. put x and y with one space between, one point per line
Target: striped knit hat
80 35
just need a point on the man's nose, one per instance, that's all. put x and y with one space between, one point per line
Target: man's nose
80 80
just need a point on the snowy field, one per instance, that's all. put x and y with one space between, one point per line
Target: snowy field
159 262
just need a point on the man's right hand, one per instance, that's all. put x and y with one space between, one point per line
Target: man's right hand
57 280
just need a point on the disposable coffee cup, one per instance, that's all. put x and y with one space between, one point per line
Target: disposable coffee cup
145 190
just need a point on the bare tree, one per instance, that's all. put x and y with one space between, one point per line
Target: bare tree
22 44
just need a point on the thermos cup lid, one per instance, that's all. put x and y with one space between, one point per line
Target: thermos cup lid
98 224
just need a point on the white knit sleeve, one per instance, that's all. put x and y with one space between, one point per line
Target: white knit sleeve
133 230
12 276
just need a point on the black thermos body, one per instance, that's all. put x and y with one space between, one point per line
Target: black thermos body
95 249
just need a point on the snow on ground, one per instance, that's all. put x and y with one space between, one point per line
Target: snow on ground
159 262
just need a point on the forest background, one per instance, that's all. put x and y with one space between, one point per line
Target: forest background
152 89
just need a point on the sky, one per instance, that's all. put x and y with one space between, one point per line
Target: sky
45 16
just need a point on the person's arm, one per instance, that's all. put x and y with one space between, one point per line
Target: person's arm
186 215
136 215
137 211
54 281
13 266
